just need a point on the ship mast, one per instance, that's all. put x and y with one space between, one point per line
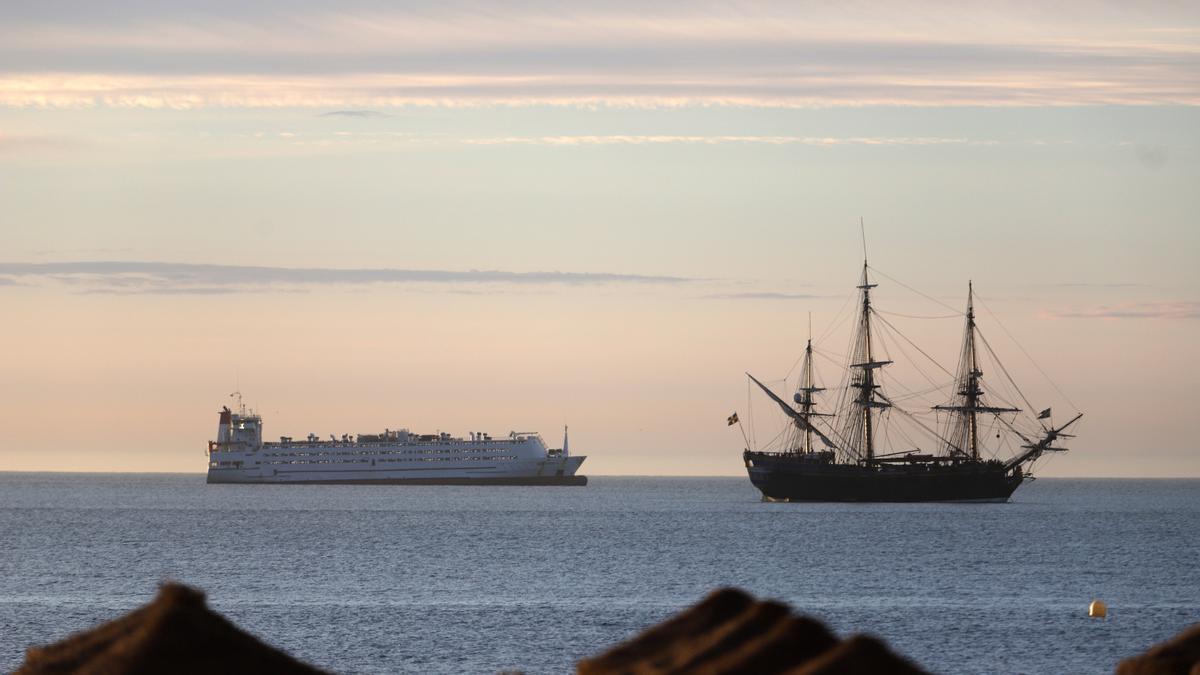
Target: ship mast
804 396
864 379
969 389
972 392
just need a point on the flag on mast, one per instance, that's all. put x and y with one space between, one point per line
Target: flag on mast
732 419
1044 414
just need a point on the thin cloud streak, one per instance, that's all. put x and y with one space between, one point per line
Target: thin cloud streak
366 114
23 144
1135 310
1099 285
117 277
362 56
201 290
39 90
718 140
763 295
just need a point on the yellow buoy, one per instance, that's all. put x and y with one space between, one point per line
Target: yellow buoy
1097 610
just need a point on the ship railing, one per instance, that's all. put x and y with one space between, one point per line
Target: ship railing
810 456
377 444
918 459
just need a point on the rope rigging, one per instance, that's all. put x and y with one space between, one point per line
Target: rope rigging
1027 355
896 281
914 316
922 351
861 420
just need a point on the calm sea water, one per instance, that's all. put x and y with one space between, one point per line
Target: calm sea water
476 580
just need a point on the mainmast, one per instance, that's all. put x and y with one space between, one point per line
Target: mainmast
864 379
969 389
971 392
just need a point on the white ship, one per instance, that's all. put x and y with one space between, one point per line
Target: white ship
394 457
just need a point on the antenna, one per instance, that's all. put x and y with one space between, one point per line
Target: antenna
237 392
863 231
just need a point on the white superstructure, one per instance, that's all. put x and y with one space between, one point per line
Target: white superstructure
239 455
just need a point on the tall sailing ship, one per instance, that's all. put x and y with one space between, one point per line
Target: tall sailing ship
836 456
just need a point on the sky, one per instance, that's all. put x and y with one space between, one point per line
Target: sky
461 216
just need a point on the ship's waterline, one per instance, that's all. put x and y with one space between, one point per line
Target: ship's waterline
394 457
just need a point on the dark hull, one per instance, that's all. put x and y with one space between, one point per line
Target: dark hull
787 478
507 480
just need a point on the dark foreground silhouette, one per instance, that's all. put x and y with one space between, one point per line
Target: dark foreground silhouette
175 633
731 632
728 632
1178 656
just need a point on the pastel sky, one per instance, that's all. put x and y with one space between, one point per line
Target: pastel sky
460 216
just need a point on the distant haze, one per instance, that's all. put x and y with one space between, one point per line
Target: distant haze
455 217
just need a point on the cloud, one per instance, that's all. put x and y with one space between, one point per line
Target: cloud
80 251
824 141
1136 310
354 113
160 290
763 295
164 278
1099 285
1152 157
363 55
34 144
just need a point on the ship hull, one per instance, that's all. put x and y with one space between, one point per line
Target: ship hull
517 462
448 480
784 478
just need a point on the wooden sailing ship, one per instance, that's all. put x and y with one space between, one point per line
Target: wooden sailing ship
834 456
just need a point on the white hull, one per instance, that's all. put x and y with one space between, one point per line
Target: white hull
518 461
539 471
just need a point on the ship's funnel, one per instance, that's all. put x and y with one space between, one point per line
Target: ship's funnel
225 425
565 453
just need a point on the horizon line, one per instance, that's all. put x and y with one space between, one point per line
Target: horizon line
590 475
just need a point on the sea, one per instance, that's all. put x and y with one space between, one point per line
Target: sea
373 579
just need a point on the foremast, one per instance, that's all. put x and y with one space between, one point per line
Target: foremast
963 429
860 428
